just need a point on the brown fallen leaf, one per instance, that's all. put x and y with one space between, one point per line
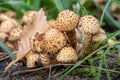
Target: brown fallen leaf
38 24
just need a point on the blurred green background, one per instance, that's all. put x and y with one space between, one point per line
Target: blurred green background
111 19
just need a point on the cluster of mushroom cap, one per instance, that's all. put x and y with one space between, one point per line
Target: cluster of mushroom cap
59 40
9 29
53 44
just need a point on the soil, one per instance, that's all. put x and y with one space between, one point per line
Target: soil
20 72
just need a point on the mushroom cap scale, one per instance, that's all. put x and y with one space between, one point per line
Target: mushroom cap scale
67 20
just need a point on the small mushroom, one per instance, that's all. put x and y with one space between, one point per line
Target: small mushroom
99 37
89 24
27 17
53 40
6 26
67 55
15 34
11 14
67 21
43 56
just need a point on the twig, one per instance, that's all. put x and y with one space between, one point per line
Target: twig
49 77
16 60
4 56
32 70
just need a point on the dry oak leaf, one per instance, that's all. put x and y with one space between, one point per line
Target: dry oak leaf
38 24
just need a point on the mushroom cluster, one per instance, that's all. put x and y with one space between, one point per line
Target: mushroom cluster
9 29
52 48
58 44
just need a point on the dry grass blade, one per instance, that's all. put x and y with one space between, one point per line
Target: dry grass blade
37 69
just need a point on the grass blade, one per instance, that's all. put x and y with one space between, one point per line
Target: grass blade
59 5
7 50
80 62
104 59
101 20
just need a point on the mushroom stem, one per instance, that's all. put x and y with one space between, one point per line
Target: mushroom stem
44 58
72 38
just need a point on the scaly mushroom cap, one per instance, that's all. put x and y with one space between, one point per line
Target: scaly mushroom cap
54 40
3 36
15 34
99 37
67 20
89 24
28 16
6 26
67 55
